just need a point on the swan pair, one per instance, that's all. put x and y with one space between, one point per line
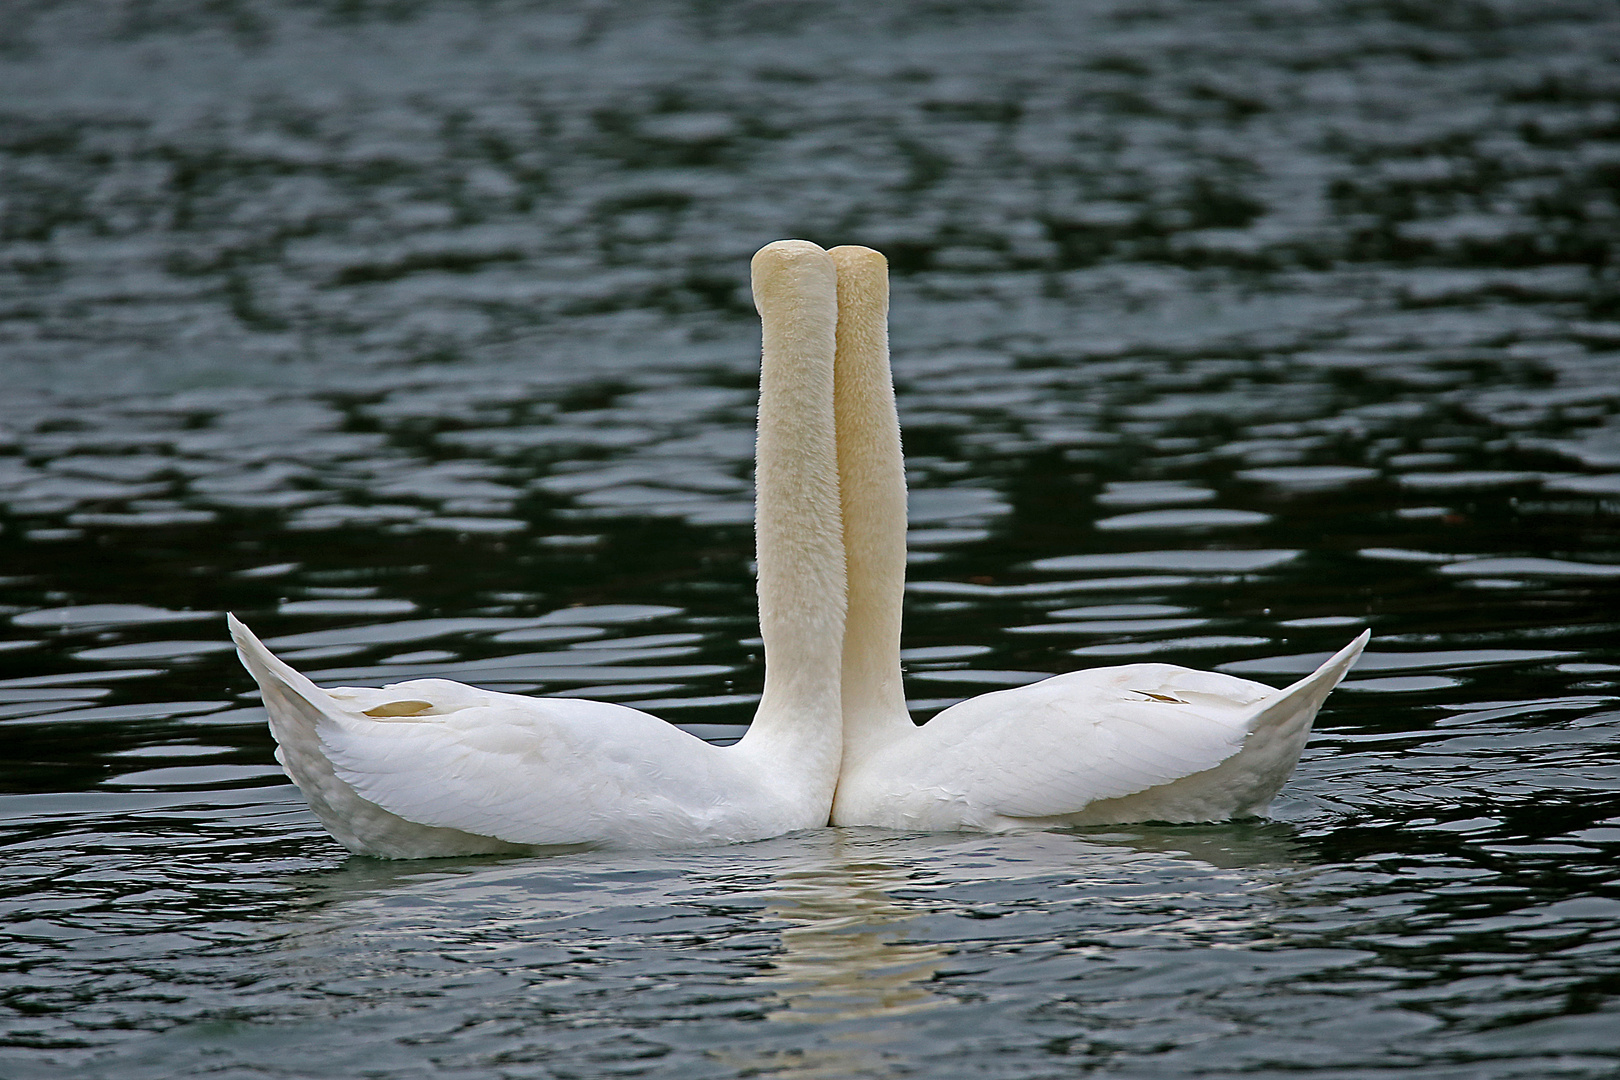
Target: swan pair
432 767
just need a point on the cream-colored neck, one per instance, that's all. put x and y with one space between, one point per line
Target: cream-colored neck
872 488
798 525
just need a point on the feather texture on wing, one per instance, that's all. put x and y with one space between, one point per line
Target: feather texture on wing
1133 743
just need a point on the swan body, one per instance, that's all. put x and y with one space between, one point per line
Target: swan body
1142 742
458 770
432 767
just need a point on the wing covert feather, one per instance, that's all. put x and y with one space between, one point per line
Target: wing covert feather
546 771
1053 747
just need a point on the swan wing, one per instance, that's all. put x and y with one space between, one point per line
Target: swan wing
536 771
525 771
1053 748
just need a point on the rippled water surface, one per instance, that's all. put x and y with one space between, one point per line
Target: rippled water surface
417 334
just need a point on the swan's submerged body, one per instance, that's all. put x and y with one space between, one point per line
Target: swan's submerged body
1143 742
432 767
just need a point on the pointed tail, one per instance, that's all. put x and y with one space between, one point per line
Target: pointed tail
297 709
1304 697
1278 732
278 682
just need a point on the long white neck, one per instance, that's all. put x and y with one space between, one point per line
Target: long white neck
872 486
797 523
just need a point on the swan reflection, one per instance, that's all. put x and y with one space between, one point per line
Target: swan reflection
824 954
856 972
844 951
845 969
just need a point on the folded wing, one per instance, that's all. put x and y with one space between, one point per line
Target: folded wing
437 755
1182 745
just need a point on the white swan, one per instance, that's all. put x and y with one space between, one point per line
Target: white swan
432 767
1143 742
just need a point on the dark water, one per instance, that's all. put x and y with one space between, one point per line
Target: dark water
417 334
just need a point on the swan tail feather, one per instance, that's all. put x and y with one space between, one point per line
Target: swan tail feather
298 709
307 700
1280 726
1299 702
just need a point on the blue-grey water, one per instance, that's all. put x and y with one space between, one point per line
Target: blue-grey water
417 334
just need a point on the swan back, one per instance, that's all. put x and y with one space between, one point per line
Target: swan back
1141 742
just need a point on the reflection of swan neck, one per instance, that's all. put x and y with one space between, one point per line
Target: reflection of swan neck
872 479
845 951
797 520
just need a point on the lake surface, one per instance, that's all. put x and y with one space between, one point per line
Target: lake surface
417 335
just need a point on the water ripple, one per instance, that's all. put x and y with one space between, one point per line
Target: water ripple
419 336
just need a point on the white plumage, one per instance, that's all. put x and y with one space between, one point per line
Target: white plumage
1143 742
481 771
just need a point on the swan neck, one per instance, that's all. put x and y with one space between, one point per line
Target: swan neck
797 521
872 488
